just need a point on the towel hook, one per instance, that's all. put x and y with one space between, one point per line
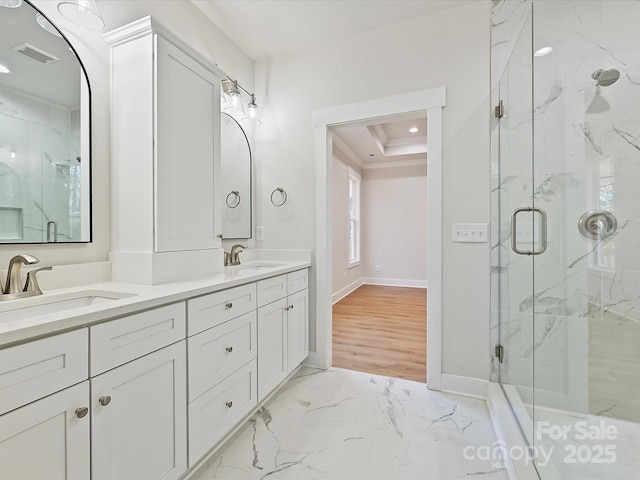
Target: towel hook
282 193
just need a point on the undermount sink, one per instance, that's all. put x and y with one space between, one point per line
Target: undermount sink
19 309
255 267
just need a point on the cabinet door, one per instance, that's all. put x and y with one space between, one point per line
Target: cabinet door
46 439
187 152
297 329
218 410
272 347
141 432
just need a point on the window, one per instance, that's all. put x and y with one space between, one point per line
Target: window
604 253
354 218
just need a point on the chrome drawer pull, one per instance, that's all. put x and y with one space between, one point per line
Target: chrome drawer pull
229 404
229 349
229 305
104 401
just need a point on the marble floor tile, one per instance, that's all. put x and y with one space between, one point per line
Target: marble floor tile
345 425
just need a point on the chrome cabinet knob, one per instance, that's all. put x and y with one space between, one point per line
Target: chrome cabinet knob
229 349
229 305
104 401
291 307
81 412
286 309
229 404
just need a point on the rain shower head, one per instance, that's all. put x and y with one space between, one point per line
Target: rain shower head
604 78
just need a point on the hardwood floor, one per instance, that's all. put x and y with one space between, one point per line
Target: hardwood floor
382 330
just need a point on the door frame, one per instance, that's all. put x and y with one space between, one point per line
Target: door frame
431 102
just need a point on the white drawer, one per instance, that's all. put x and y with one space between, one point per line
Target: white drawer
216 308
297 281
213 414
119 341
216 353
33 370
272 289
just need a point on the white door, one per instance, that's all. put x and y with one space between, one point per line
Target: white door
272 346
47 439
297 329
187 152
139 418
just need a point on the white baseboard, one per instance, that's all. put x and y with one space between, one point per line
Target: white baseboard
340 294
467 386
395 282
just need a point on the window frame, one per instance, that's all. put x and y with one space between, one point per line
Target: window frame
354 218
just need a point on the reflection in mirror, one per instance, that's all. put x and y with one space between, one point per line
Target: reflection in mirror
44 133
236 179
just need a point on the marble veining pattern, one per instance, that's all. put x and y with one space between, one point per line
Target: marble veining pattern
341 424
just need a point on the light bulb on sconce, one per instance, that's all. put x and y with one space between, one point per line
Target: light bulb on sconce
12 153
253 111
10 3
83 13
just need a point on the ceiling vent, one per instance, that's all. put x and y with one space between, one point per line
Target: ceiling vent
34 53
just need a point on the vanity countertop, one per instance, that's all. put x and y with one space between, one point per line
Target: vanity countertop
139 297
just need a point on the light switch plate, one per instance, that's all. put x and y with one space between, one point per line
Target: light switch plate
469 232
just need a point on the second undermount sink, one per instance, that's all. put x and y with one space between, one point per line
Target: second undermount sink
22 308
256 267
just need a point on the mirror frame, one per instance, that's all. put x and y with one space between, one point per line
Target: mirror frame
88 135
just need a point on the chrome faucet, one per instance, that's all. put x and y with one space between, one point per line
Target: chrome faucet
232 258
13 287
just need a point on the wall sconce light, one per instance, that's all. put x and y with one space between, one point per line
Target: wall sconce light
233 90
83 13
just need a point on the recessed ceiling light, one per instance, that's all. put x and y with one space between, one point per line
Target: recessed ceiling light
543 51
413 129
4 69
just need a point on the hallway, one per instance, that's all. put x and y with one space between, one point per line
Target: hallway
382 330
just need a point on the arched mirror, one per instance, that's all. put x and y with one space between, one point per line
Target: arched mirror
45 164
236 179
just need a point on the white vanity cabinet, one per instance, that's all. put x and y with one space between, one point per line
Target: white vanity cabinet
283 328
44 408
47 439
150 394
222 365
138 418
138 395
165 103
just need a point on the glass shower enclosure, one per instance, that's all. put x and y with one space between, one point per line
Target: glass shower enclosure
566 230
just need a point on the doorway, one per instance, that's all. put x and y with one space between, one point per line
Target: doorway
379 264
429 102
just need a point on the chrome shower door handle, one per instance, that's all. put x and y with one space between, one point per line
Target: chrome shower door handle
514 229
543 231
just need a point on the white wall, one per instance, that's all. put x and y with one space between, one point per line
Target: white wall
345 279
187 22
394 226
450 48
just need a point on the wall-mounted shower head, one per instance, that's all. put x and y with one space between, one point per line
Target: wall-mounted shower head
604 78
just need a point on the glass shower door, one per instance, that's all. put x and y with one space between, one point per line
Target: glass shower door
586 175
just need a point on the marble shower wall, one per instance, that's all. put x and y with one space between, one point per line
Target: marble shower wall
40 174
582 317
587 157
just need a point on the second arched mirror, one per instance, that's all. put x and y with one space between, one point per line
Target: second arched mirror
236 179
